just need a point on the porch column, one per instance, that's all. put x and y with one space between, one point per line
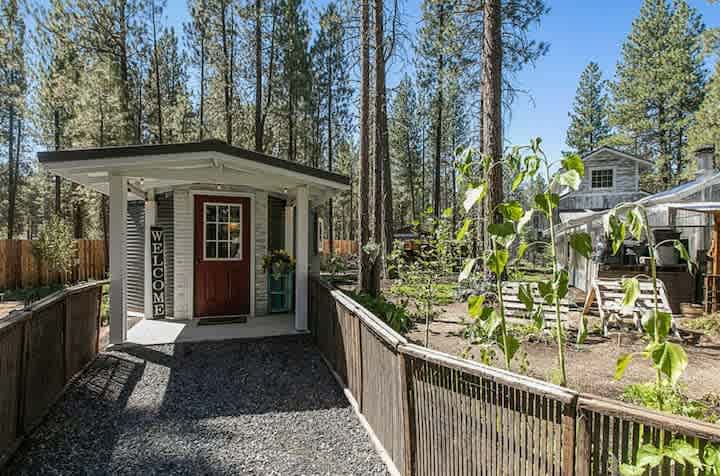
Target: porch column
150 217
118 263
290 230
302 205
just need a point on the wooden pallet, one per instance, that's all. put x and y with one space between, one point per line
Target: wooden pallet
608 295
515 309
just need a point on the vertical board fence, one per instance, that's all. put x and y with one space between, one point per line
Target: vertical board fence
435 414
41 349
20 269
341 247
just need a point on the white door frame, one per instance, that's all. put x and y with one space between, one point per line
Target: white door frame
223 193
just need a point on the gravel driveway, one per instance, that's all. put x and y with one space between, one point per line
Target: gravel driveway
263 407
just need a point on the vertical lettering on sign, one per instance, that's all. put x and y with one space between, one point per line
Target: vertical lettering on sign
157 271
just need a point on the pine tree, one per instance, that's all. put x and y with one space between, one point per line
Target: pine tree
332 77
589 119
706 128
660 80
405 142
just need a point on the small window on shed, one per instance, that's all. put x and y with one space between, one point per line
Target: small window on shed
602 178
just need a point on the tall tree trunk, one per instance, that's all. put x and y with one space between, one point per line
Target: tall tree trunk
12 172
331 224
258 76
202 77
226 71
271 71
411 176
388 217
58 180
383 215
423 179
157 75
124 73
365 270
439 118
491 103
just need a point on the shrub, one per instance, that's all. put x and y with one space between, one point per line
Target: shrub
393 315
55 246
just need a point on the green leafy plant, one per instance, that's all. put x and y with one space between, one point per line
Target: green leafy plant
396 316
417 277
650 456
524 163
277 263
55 246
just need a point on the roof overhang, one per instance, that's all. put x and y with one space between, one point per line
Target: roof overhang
162 167
699 207
643 162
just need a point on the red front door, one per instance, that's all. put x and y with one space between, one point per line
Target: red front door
222 256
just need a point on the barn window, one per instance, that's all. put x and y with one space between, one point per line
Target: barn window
602 178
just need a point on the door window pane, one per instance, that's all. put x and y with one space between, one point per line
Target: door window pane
223 231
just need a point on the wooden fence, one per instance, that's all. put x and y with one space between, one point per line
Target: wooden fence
435 414
20 269
341 247
41 349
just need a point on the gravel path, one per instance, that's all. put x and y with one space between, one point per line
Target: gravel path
263 407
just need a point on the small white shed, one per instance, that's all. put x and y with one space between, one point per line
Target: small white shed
219 209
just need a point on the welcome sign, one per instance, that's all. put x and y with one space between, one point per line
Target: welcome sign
157 271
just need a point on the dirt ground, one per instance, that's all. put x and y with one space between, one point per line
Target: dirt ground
590 367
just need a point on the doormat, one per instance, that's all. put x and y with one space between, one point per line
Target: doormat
212 321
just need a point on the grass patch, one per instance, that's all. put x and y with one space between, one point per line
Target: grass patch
445 292
669 399
393 315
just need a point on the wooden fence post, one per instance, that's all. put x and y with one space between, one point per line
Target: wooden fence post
569 422
66 338
359 397
582 446
407 422
23 375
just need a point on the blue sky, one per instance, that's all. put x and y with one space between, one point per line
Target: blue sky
578 31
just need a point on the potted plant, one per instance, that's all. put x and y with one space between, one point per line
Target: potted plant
280 267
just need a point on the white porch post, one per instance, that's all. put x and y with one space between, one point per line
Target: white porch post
150 217
118 264
302 203
290 230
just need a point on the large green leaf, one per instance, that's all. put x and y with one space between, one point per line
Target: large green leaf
615 229
545 288
670 359
574 162
512 211
517 181
497 261
475 305
525 220
502 233
582 330
560 284
631 292
631 470
467 269
649 456
512 345
684 453
493 322
521 250
582 243
712 458
660 320
474 195
546 202
526 297
684 255
463 229
636 225
570 178
622 362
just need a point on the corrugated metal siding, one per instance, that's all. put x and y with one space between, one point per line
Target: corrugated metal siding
136 256
165 216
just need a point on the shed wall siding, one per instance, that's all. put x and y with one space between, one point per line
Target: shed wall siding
261 249
625 184
183 257
136 256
